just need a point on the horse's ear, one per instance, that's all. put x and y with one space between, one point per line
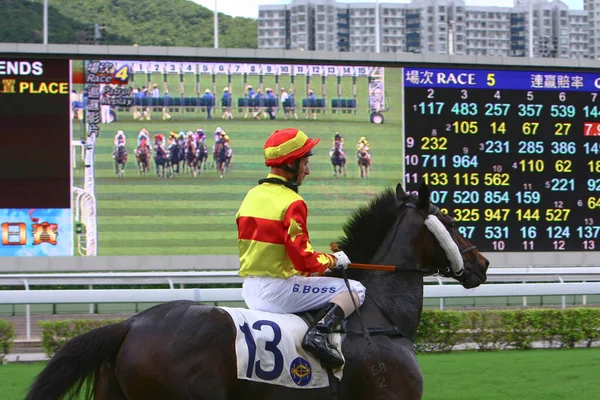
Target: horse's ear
423 196
400 193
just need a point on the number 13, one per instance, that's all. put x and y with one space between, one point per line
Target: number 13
270 346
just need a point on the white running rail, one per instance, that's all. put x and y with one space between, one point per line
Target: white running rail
85 203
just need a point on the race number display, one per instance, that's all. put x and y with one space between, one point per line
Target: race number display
221 68
253 69
173 68
139 67
156 67
346 70
237 68
269 69
512 156
315 69
330 70
285 69
205 68
361 71
299 69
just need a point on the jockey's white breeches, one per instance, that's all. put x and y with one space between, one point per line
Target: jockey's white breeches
295 294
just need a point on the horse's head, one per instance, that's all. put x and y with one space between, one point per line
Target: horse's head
408 231
441 247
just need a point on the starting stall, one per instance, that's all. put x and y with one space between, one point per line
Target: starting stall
203 86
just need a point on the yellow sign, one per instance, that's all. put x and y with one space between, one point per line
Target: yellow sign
14 233
44 87
8 86
44 233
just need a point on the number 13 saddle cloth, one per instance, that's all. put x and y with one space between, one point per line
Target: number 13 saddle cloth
268 350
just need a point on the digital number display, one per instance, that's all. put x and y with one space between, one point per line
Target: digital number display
513 156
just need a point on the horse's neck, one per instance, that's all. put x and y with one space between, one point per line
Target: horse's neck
400 295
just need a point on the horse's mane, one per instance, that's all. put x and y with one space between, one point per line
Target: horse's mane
368 225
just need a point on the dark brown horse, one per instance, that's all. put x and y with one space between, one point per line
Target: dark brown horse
338 159
143 157
364 162
120 156
185 351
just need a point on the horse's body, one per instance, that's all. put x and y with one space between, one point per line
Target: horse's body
201 156
161 161
120 155
174 157
190 157
364 163
143 158
183 350
223 158
338 160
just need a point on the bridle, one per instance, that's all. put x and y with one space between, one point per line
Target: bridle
446 272
443 271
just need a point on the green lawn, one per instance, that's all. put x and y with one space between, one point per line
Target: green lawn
145 216
529 375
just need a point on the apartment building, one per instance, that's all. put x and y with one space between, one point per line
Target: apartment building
592 9
433 27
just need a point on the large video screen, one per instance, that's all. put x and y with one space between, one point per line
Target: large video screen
161 154
141 157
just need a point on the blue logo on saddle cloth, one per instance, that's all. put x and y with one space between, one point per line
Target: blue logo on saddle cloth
268 349
300 371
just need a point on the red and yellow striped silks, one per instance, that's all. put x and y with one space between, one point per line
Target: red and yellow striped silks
272 235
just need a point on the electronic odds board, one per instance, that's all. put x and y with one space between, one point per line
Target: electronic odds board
512 155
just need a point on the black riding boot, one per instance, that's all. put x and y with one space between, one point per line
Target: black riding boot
315 340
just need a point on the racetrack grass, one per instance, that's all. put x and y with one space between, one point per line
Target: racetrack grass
520 375
187 216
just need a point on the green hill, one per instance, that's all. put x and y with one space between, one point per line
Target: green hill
127 22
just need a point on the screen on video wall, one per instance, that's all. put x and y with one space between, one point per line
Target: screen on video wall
161 154
129 157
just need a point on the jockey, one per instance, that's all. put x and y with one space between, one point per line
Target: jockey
363 143
201 136
159 140
276 256
120 138
338 138
218 133
143 136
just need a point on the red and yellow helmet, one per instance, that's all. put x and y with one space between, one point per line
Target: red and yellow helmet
287 145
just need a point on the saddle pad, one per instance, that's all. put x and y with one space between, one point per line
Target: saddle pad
269 349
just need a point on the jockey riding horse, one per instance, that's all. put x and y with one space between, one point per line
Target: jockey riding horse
160 157
337 156
143 157
364 161
190 155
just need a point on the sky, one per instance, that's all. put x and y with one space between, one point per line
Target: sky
249 8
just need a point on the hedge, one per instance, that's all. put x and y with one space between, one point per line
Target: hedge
489 330
7 335
439 331
57 333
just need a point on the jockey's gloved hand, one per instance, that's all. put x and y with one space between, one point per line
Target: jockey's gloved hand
342 260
